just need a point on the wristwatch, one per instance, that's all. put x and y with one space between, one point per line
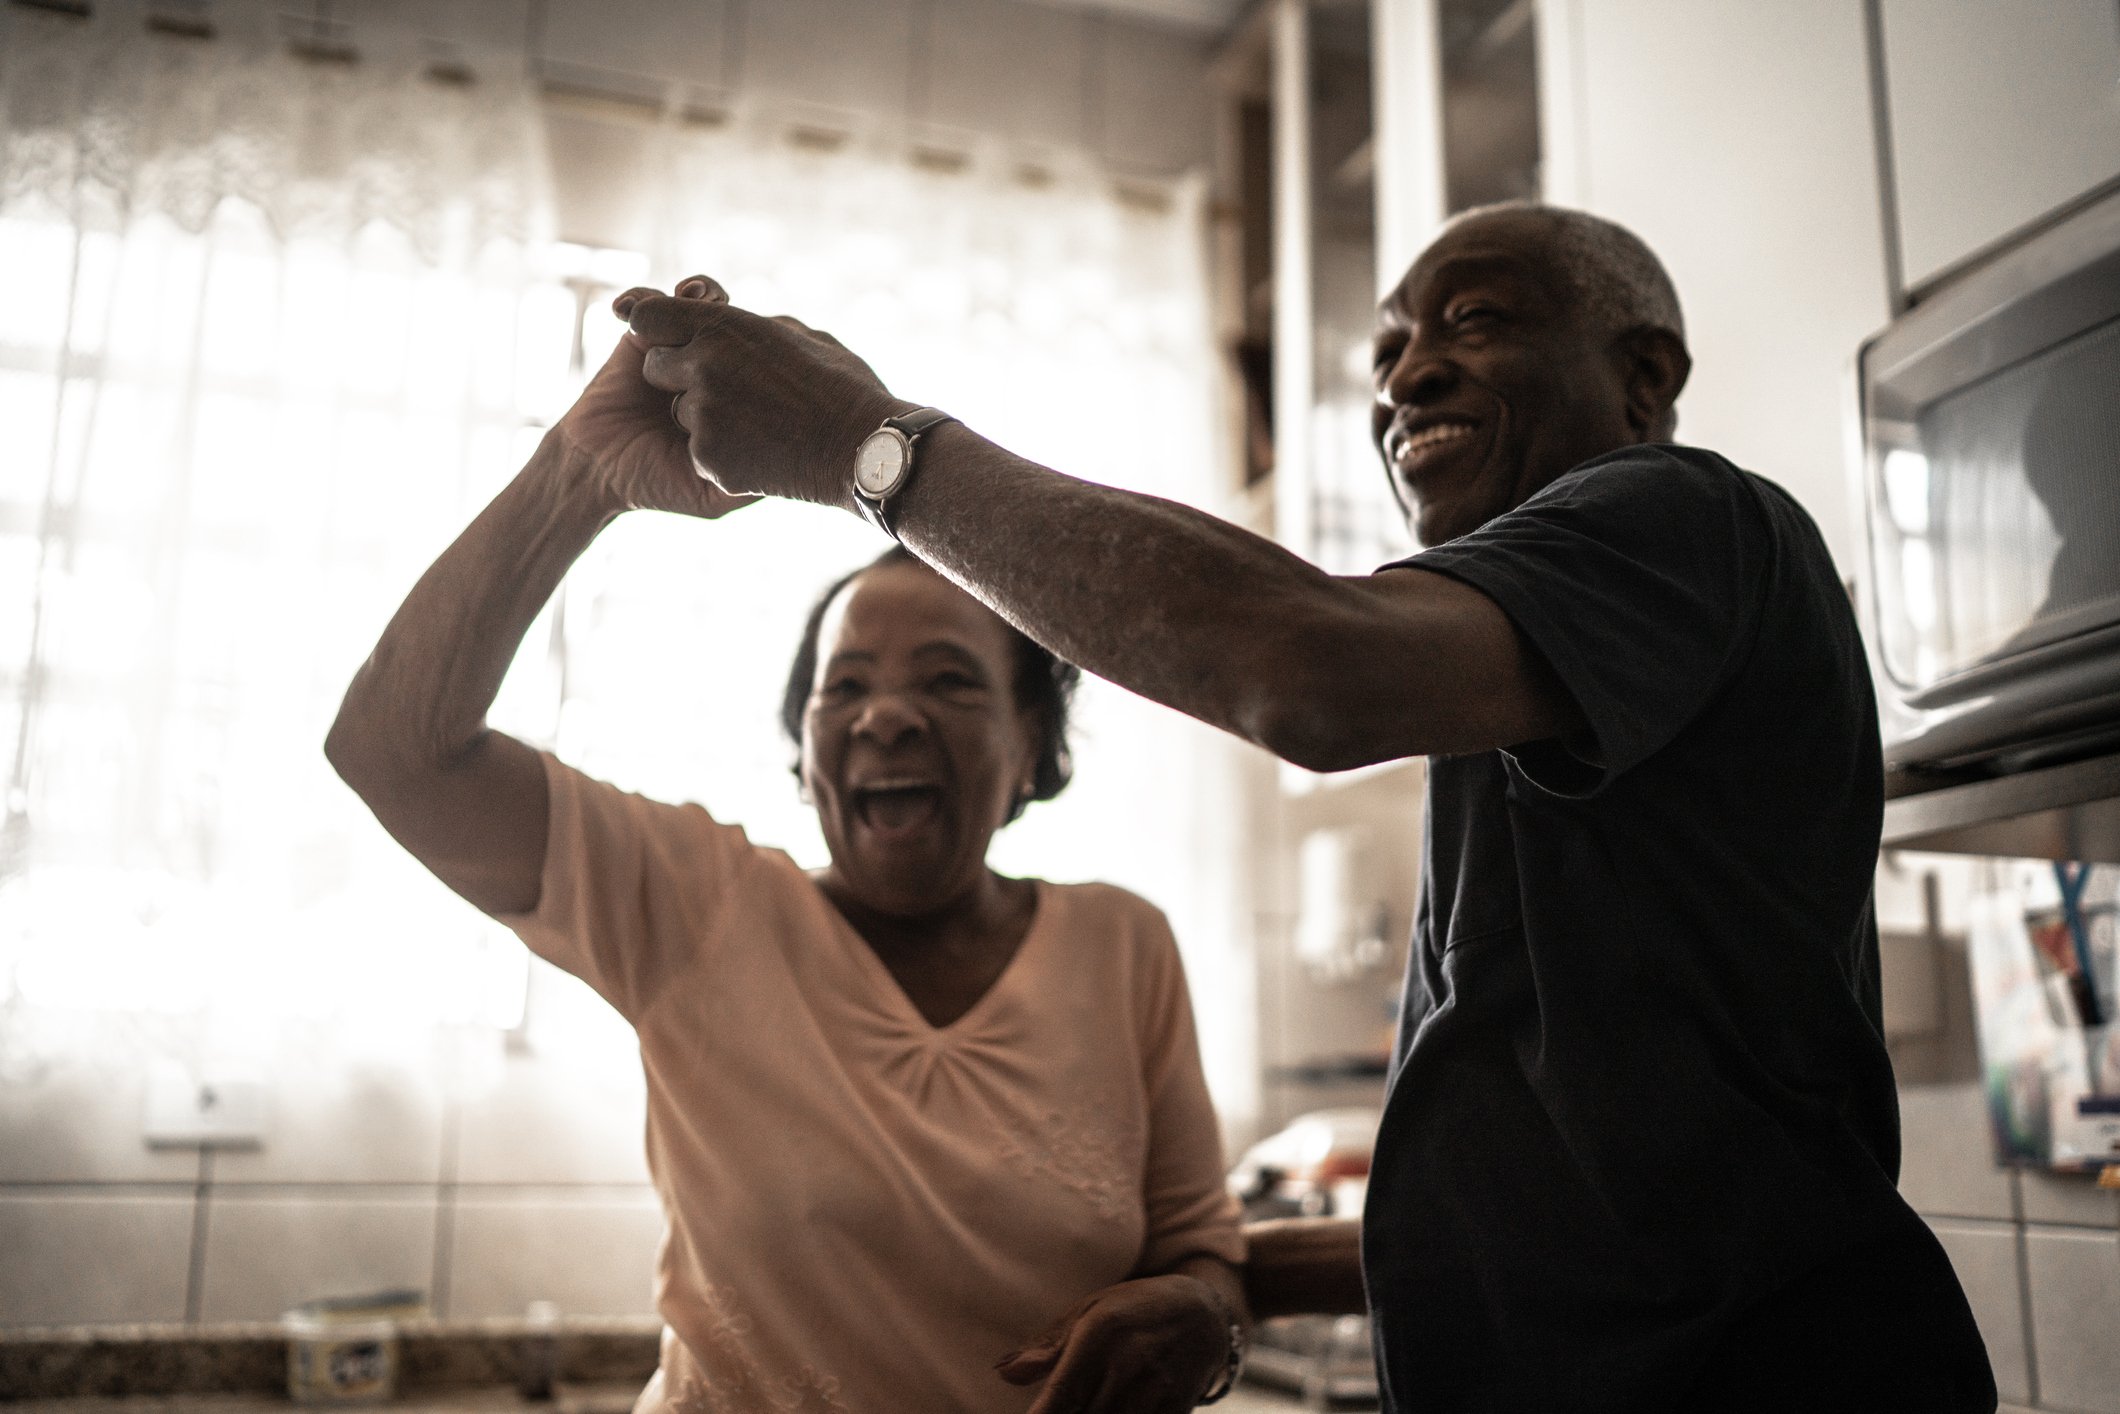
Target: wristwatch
884 463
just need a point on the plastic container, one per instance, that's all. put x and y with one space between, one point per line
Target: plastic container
345 1351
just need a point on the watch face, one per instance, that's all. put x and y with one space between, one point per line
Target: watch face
880 464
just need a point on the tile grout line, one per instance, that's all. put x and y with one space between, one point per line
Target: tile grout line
445 1188
195 1273
2024 1290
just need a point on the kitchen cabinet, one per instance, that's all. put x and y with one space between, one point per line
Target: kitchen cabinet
2001 113
1296 282
1298 271
1347 130
1351 128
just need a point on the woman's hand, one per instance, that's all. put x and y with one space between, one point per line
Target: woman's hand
1149 1346
622 436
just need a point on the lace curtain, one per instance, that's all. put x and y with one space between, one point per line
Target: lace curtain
271 329
112 117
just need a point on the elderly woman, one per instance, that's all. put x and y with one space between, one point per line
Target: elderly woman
927 1138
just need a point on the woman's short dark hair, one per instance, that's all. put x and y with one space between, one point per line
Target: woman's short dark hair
1044 683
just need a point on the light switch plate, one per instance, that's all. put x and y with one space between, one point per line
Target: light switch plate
187 1110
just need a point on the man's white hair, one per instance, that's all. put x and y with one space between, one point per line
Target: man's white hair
1617 281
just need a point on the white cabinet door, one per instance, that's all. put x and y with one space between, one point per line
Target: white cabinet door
1736 140
2002 111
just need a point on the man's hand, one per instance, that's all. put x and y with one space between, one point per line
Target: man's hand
769 406
621 437
1149 1346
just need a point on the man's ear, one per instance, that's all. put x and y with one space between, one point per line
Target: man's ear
1654 364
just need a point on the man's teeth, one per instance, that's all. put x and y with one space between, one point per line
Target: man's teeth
1433 435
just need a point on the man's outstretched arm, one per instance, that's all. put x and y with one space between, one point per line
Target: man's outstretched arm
1201 615
1172 603
1304 1267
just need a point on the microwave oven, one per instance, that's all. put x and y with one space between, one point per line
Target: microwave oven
1990 434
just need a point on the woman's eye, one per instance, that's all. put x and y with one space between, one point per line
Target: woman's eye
1474 314
955 682
839 689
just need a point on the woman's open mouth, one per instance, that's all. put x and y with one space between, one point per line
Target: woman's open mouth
894 809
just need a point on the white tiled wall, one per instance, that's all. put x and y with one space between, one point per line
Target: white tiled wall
552 1122
2038 1253
1945 1168
94 1255
340 1122
526 1182
71 1106
529 1185
2067 1198
1985 1255
592 1253
272 1249
2074 1294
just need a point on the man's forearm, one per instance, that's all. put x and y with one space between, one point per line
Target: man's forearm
1304 1266
1165 600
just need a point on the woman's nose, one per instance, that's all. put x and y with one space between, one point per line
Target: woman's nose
888 720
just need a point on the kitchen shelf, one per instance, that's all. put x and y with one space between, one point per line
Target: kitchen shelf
2071 811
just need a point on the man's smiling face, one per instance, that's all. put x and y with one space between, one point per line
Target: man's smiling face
1489 381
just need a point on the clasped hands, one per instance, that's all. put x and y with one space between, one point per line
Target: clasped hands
703 407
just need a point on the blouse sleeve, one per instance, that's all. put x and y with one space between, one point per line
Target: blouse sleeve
631 887
1190 1209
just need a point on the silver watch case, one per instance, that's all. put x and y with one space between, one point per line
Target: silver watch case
881 464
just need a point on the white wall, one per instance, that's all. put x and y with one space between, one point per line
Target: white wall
1736 140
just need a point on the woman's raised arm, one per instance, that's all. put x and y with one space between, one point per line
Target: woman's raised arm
411 736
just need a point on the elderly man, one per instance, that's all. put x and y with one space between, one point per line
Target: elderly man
1641 1140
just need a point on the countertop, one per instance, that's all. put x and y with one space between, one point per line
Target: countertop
571 1399
568 1399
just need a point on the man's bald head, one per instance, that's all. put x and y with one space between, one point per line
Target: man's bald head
1616 280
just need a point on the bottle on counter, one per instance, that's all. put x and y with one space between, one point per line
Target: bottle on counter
537 1360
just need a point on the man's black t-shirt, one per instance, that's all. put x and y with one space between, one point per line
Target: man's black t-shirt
1640 1094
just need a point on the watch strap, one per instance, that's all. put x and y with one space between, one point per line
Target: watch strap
919 420
872 512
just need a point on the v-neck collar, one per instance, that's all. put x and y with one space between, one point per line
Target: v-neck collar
894 998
